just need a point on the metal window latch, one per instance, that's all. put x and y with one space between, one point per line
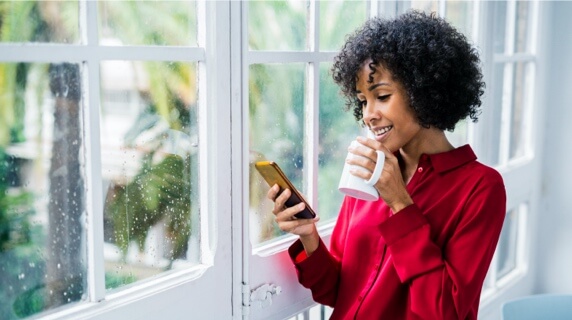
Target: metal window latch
261 297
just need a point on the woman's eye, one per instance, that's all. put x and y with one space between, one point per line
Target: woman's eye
383 98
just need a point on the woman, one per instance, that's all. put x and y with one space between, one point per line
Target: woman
422 251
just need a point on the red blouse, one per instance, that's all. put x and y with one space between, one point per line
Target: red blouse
428 261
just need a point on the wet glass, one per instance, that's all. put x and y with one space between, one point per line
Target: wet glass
522 84
278 25
160 23
149 153
337 129
42 188
507 246
333 33
276 127
39 21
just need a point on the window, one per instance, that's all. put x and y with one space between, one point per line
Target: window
296 117
505 34
104 162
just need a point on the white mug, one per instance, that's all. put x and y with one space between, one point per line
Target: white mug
357 187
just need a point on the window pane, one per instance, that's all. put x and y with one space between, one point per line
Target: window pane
276 102
460 136
523 26
169 23
507 246
460 14
337 20
520 102
39 21
499 34
425 5
42 188
149 167
277 25
337 129
495 108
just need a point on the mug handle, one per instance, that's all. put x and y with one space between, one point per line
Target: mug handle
378 168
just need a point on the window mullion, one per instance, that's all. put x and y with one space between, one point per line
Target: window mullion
312 108
504 152
96 268
504 145
442 9
472 130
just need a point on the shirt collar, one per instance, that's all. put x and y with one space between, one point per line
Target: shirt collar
449 160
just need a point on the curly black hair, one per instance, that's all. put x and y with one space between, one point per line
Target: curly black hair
436 65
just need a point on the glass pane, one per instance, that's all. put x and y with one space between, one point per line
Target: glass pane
460 136
42 188
488 284
276 102
337 129
499 21
149 168
520 102
522 28
168 23
277 25
425 5
460 14
39 21
507 246
337 20
494 130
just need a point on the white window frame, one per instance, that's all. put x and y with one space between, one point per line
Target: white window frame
198 288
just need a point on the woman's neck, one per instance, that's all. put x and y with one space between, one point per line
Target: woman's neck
429 141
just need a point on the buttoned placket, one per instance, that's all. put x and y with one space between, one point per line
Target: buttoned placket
422 167
380 253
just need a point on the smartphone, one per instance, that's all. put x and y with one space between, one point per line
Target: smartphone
272 173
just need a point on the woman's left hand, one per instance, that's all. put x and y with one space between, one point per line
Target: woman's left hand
390 185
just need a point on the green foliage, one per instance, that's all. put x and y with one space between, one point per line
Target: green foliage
14 211
21 266
158 191
113 281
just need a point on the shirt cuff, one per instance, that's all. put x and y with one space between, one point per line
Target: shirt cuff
308 267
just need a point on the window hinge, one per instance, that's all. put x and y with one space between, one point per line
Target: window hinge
260 297
245 300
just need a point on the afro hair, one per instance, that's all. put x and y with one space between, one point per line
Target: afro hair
434 62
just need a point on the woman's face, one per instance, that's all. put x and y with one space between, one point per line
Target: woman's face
385 108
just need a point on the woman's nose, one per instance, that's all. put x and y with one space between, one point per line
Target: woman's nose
368 113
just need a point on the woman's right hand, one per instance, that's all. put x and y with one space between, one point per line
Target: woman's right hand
285 218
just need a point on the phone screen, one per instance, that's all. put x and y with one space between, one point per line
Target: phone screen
272 173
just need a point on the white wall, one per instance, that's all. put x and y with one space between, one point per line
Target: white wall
554 238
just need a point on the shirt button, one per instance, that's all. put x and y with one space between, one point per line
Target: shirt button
360 298
420 169
377 266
